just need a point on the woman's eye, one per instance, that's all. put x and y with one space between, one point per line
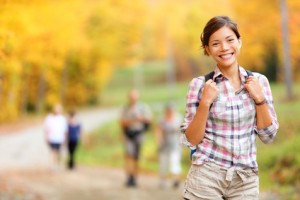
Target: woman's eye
231 40
214 44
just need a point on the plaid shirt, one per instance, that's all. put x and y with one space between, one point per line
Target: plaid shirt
230 131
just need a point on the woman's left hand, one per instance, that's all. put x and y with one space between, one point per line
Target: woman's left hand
254 88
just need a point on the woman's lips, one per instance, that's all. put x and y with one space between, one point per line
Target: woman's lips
226 56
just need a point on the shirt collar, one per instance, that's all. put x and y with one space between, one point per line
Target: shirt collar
217 73
242 72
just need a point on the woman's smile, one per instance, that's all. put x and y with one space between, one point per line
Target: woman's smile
226 56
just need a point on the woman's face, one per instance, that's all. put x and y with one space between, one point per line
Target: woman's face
224 47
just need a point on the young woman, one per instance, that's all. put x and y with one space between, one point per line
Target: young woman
223 117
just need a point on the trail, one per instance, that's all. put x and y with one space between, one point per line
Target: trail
24 171
26 149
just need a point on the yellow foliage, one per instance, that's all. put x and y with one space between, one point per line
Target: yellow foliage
104 72
66 51
35 45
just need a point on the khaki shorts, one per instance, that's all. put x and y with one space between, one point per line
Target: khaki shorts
211 182
133 145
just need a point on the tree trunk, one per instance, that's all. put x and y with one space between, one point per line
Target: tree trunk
41 93
286 49
64 83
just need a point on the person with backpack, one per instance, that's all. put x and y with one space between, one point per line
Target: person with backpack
223 117
135 121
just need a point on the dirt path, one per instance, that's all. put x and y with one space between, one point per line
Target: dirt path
24 172
86 183
83 184
26 149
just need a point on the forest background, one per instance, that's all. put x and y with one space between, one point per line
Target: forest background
67 51
90 53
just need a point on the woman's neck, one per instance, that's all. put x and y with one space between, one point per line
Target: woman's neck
232 74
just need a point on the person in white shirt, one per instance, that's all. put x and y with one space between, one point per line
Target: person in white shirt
55 127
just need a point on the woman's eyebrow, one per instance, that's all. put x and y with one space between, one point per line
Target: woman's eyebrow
229 36
214 41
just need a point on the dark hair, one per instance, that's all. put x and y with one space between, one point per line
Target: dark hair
215 24
72 113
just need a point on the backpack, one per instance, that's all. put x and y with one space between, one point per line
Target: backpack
208 76
146 125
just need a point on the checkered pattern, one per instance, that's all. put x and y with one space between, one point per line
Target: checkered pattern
230 130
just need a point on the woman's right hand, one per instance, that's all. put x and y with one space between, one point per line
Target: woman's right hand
210 92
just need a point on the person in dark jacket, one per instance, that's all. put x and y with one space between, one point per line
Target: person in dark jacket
73 138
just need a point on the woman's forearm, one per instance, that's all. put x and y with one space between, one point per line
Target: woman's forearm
196 130
263 116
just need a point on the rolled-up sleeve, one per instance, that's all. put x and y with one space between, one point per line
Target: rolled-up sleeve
268 134
192 102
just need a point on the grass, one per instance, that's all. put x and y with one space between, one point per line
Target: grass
153 87
105 147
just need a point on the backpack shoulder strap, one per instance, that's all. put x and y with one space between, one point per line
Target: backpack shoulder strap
249 73
210 75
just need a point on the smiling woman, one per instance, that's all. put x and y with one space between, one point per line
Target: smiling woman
223 117
224 47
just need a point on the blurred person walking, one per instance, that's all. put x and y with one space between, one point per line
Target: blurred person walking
167 135
135 120
55 128
73 138
225 111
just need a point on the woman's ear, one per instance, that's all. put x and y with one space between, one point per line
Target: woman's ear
207 50
240 43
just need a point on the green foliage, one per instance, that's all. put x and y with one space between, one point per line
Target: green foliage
279 163
103 147
271 63
153 86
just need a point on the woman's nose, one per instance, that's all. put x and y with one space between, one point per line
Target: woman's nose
224 46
